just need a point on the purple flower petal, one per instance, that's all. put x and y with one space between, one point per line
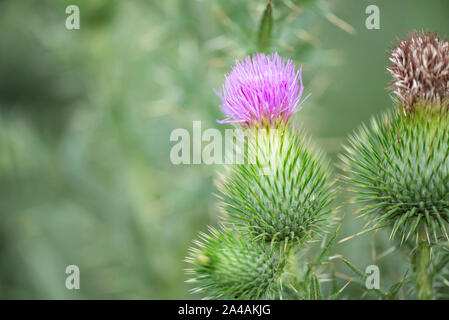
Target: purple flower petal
261 89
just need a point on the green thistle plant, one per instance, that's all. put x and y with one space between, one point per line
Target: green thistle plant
399 166
283 195
276 197
229 266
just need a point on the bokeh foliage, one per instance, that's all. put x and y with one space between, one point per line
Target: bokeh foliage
85 119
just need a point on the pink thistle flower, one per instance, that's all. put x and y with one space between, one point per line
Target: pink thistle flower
262 89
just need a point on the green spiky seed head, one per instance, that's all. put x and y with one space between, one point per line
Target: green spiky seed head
399 170
233 266
282 191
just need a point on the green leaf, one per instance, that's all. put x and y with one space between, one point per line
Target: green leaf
330 243
266 25
315 290
356 270
441 264
393 290
337 294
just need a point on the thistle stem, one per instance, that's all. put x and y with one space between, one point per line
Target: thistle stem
421 263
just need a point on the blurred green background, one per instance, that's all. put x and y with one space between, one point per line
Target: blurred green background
86 115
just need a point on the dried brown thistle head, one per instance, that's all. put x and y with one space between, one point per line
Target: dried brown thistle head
420 70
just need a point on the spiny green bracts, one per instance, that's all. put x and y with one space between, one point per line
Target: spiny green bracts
399 170
282 191
234 266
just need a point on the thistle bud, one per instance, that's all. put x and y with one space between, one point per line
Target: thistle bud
229 266
283 194
399 170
